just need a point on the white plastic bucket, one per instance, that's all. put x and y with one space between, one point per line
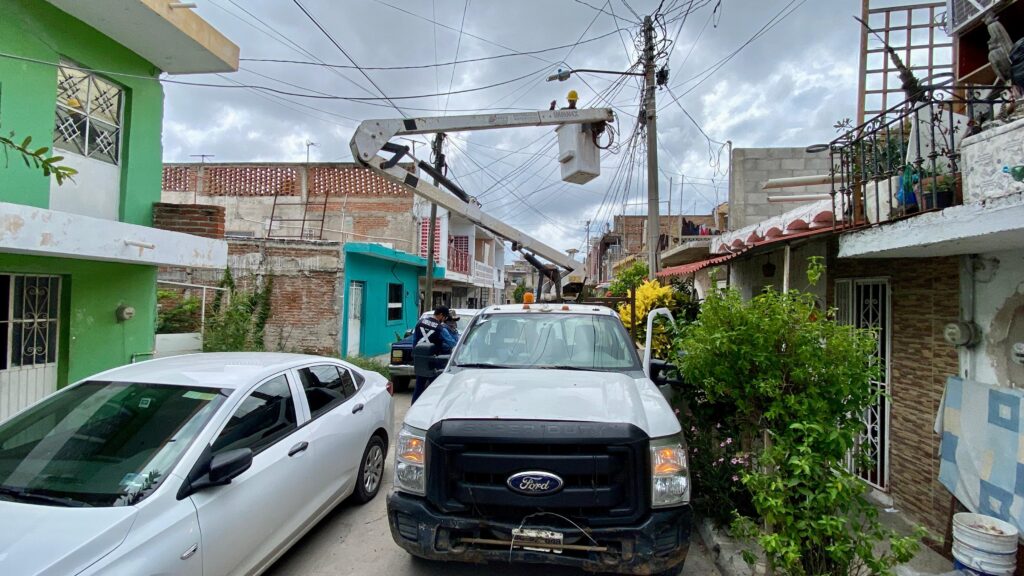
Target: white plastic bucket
984 544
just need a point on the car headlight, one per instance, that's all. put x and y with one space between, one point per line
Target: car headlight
670 475
396 356
410 461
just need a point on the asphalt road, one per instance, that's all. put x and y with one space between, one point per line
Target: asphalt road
356 540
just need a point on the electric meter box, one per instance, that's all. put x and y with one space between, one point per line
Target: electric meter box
578 153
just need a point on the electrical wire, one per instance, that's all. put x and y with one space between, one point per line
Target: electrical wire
458 45
349 58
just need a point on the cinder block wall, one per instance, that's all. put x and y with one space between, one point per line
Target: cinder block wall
924 297
752 167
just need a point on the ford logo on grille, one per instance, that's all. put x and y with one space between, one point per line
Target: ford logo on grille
535 483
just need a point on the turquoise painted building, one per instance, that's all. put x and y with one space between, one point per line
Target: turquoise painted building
382 297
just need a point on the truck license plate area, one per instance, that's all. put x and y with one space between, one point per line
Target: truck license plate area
537 540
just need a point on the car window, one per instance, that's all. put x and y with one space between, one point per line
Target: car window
326 386
101 443
264 417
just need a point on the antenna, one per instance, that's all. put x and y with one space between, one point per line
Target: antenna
202 157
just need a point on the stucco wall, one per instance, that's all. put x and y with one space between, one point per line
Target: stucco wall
92 339
377 331
752 167
39 31
747 274
997 279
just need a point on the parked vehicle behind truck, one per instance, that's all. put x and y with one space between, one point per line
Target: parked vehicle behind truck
544 441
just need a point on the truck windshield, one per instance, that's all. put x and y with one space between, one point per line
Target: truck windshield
558 341
100 443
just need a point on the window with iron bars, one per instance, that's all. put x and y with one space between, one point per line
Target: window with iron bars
89 114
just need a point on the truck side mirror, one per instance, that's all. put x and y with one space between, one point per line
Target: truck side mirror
664 373
650 335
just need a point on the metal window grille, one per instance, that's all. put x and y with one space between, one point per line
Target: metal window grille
29 324
395 302
89 114
864 303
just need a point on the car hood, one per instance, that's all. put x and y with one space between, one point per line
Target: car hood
56 541
535 394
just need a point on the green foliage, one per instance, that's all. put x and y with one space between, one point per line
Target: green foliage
177 313
517 294
238 324
629 279
778 368
37 158
371 364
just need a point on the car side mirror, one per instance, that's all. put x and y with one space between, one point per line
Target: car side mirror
217 470
665 374
228 465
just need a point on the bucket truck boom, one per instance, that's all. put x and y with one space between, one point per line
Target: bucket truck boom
373 136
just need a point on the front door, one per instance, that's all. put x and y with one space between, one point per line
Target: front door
864 303
355 317
29 335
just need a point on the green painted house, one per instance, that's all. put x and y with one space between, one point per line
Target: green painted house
78 261
381 297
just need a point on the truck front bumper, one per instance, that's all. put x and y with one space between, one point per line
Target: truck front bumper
657 544
402 370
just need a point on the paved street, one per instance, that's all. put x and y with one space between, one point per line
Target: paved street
356 540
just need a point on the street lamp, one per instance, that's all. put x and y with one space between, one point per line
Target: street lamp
563 75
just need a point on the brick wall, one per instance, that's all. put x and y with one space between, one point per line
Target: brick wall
198 219
924 296
305 301
752 167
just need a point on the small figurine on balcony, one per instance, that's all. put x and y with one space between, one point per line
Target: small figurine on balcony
1007 60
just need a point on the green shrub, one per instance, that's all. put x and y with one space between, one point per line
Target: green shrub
239 324
787 372
371 364
176 313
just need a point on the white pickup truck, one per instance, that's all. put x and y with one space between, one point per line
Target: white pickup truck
544 441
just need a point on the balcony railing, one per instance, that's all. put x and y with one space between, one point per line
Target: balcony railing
458 260
907 159
484 273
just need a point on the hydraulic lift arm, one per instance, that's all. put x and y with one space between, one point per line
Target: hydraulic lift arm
373 136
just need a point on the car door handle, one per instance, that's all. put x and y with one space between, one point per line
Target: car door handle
300 447
357 408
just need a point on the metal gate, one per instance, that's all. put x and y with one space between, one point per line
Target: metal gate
864 303
29 337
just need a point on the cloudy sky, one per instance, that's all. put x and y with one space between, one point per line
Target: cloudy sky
786 87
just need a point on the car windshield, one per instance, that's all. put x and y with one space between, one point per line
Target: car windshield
555 340
101 443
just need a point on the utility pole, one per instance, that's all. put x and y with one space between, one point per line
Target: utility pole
651 112
308 144
586 256
428 297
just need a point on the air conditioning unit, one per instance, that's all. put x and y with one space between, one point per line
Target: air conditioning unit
961 14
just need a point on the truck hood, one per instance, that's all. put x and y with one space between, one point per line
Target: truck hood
535 394
54 541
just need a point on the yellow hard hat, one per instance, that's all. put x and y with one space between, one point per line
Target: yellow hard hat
573 95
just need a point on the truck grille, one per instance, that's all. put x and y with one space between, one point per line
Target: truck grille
602 467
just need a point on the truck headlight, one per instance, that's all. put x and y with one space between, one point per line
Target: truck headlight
396 356
670 476
410 461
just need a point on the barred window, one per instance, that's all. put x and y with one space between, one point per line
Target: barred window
89 114
395 297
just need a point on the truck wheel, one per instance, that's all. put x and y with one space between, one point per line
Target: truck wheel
371 471
401 383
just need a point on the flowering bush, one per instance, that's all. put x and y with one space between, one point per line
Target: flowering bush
651 295
717 462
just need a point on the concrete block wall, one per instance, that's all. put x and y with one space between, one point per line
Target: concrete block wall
924 298
752 167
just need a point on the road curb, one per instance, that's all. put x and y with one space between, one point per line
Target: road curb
727 552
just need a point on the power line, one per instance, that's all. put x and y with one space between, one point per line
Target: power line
458 45
602 10
438 64
342 50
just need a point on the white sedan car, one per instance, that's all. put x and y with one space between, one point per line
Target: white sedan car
199 465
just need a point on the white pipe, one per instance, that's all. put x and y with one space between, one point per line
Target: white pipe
800 198
785 270
140 244
797 181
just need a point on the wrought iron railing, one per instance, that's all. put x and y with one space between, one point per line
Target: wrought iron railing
906 160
